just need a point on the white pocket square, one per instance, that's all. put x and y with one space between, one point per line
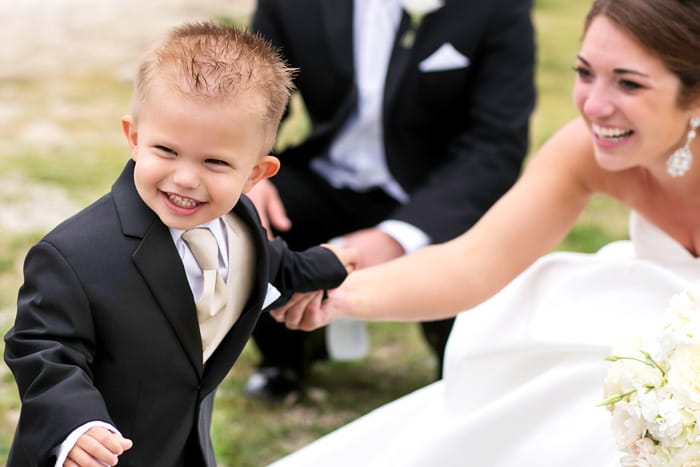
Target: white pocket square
446 57
271 295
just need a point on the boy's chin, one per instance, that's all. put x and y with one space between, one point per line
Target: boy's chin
181 224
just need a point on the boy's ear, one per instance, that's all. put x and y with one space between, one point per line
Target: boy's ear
265 168
132 137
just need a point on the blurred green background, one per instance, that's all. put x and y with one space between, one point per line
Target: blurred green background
61 147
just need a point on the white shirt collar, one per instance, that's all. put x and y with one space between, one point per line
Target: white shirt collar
217 227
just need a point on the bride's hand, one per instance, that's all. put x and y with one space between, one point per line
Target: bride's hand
311 310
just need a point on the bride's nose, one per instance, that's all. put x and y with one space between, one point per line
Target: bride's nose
598 102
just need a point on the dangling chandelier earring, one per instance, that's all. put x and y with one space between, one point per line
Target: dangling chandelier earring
681 160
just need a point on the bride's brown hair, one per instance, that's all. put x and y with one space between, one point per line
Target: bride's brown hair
669 29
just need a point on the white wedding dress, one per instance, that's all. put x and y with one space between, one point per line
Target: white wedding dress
524 370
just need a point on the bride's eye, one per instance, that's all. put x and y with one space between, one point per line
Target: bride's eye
628 85
583 73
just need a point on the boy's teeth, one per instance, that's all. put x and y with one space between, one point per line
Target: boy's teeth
182 202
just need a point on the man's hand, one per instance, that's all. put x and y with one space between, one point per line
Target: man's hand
267 201
373 246
97 447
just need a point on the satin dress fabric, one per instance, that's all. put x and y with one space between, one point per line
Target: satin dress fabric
525 369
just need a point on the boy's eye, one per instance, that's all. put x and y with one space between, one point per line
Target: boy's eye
217 162
165 149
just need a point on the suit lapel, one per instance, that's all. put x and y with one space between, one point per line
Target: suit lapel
338 26
159 263
398 63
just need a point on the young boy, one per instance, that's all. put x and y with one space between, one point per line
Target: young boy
115 356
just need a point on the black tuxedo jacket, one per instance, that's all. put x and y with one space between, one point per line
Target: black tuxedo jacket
106 329
454 139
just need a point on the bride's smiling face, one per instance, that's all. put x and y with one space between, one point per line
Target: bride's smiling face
629 100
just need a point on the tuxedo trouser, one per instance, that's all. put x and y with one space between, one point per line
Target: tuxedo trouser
320 212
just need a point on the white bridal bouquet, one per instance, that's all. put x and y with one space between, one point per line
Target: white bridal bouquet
653 390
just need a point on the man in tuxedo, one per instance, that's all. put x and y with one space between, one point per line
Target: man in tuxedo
418 124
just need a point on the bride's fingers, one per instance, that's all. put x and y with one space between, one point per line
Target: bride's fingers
296 313
310 316
280 314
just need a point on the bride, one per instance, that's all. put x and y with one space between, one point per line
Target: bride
524 366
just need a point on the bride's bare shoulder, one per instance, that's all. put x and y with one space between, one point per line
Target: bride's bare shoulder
571 141
570 153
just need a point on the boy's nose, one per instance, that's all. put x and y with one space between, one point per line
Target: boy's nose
186 177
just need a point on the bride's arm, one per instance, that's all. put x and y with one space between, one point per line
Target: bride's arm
442 280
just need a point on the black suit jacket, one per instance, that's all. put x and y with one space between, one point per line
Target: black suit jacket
455 140
106 329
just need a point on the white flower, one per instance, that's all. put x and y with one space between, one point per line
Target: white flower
628 425
416 10
653 390
663 418
421 7
644 449
630 373
684 375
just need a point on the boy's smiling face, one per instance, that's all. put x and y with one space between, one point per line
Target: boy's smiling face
194 157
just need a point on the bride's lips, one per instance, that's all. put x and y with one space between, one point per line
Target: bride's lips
608 136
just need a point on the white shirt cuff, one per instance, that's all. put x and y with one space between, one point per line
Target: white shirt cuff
410 237
72 438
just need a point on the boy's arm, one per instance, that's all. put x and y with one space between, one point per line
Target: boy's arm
318 268
49 350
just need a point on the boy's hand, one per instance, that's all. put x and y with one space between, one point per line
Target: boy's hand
347 256
97 447
312 310
306 311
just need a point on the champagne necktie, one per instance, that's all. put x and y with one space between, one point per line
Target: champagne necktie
205 250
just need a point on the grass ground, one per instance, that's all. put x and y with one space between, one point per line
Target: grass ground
66 149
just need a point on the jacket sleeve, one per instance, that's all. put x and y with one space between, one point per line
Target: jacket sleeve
49 350
314 269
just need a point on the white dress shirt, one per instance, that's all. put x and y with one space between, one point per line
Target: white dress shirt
356 159
194 273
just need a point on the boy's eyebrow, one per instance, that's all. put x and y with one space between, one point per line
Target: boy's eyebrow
617 71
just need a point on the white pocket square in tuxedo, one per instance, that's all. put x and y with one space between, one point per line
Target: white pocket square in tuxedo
444 58
271 295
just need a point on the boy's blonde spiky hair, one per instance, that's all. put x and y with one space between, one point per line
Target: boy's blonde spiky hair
206 60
